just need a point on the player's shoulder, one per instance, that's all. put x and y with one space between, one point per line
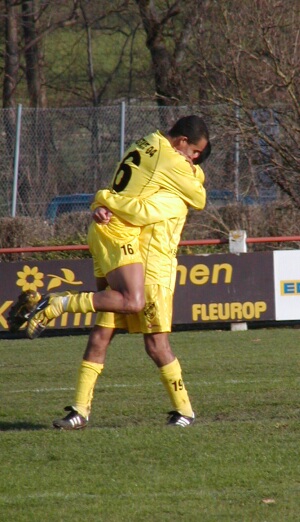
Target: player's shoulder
150 139
149 144
155 139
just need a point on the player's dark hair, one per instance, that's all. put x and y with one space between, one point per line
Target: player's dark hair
193 127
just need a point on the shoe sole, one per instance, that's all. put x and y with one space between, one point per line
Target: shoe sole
19 313
176 425
38 328
182 421
69 428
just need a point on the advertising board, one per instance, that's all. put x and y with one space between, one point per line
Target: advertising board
215 288
224 288
287 284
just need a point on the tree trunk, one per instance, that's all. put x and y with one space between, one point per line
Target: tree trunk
11 67
33 56
168 79
11 58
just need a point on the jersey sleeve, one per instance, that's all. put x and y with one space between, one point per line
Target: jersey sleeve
181 184
162 206
200 174
182 181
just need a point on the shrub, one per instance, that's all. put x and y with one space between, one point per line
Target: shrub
212 223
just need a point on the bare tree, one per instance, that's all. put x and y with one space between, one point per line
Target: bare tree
123 71
33 55
167 43
251 61
27 22
11 67
11 54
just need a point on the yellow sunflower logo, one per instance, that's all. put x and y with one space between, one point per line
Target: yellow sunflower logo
30 278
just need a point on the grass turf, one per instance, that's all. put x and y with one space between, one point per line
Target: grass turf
239 462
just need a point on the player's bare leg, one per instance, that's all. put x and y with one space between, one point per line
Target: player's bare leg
98 342
126 295
159 349
90 368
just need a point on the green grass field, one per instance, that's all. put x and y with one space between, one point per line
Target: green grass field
238 463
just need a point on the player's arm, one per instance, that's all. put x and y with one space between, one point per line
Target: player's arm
185 183
161 206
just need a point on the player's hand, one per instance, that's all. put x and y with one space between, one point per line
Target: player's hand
187 159
102 215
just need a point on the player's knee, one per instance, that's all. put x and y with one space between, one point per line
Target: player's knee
158 348
136 303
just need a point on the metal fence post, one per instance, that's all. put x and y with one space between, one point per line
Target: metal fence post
237 245
237 157
16 162
122 130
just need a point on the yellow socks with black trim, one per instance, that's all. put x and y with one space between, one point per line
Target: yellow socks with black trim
171 377
87 377
58 304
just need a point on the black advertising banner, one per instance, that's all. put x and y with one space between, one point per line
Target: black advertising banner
224 288
47 276
210 288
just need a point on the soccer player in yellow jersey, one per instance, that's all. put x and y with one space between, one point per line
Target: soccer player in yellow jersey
158 245
177 187
151 164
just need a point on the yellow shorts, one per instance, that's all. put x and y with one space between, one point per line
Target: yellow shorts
154 318
113 246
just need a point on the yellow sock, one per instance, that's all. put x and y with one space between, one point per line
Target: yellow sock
67 302
87 376
82 302
171 377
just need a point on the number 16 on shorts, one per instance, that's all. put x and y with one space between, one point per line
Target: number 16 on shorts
127 249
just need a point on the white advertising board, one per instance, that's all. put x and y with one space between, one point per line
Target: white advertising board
287 285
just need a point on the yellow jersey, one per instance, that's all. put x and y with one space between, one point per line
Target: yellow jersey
150 165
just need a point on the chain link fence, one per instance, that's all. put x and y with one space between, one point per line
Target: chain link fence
49 152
